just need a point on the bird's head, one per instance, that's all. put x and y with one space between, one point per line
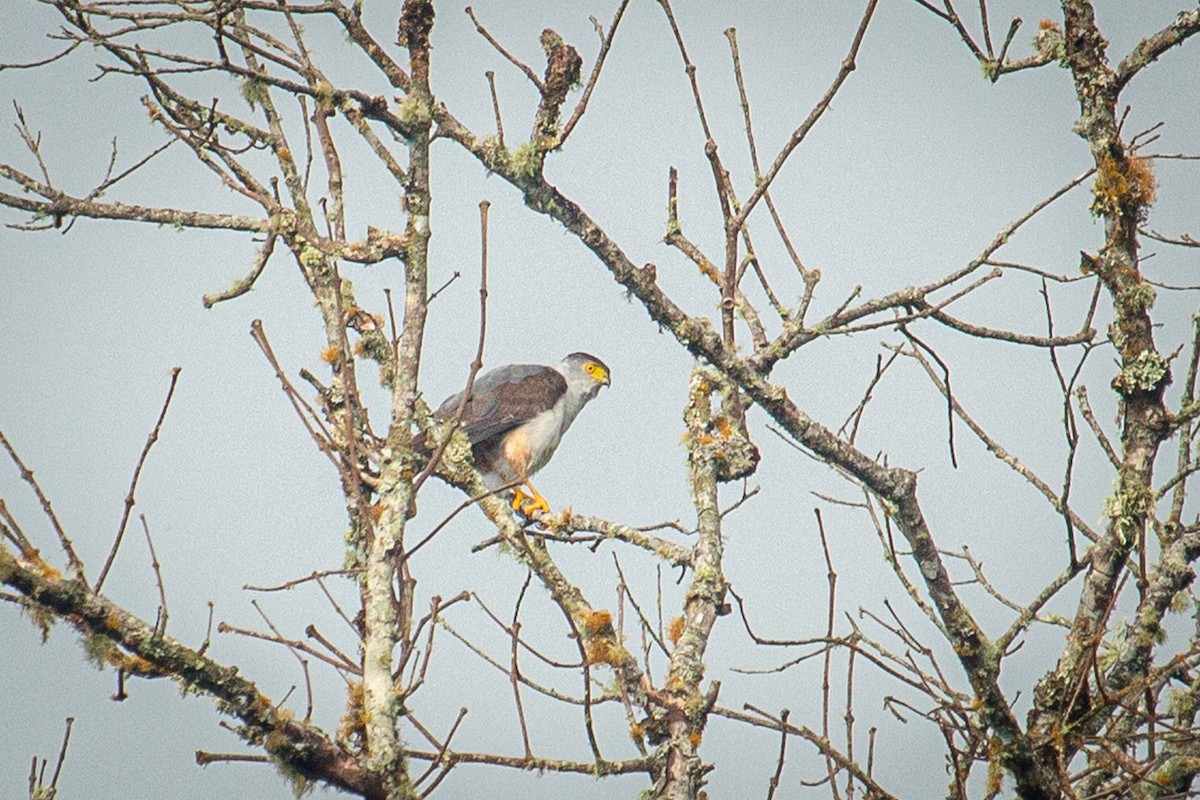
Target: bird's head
585 373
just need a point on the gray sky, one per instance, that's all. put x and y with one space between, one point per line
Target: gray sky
916 167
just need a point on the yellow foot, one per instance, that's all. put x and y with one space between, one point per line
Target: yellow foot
529 504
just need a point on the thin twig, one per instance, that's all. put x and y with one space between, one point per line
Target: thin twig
337 606
529 73
244 285
773 784
446 764
987 31
28 476
857 414
491 79
301 659
810 278
308 416
292 645
312 633
765 720
137 472
160 626
297 581
948 392
827 664
646 626
434 295
12 531
465 396
62 755
515 635
798 135
42 62
1085 408
204 758
606 41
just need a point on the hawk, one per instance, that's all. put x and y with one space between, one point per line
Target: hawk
517 415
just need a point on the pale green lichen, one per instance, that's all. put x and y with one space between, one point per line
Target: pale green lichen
1181 704
1050 43
347 288
299 784
283 222
491 149
254 91
375 346
414 112
356 555
1145 372
323 93
1128 509
526 160
458 450
311 257
1139 297
99 649
1181 603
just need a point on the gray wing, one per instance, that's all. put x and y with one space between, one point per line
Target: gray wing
505 398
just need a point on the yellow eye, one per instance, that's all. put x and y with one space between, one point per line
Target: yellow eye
596 372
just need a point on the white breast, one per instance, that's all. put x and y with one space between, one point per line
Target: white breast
543 433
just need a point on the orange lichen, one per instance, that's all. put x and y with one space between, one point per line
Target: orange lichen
675 629
136 665
695 737
331 354
353 726
605 650
1123 185
709 271
1047 24
596 623
1142 170
599 651
636 732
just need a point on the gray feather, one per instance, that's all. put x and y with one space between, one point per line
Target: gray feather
506 398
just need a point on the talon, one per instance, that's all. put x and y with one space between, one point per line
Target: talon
529 504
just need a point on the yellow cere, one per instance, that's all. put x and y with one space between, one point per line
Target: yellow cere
595 370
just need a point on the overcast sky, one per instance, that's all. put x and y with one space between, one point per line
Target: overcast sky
913 171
